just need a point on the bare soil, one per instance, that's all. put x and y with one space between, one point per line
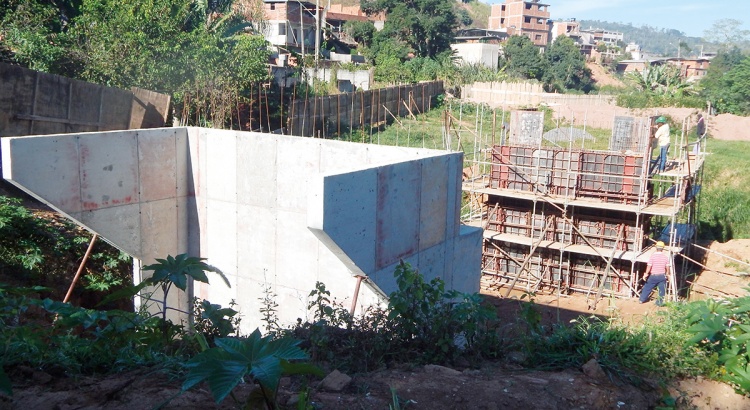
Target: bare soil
602 76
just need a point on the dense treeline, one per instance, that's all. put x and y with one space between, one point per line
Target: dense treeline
203 53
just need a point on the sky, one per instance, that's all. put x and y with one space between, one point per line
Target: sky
692 17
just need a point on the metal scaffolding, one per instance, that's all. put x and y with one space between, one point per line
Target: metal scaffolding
567 219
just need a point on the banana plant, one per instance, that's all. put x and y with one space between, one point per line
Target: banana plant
263 360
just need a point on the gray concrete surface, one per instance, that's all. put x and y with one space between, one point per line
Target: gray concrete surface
268 210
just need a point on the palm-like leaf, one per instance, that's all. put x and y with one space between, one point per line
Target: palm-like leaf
177 269
262 358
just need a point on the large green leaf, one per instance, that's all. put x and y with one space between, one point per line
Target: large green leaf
217 367
708 328
739 376
262 358
177 269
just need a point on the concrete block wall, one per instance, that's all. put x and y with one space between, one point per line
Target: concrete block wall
269 211
498 94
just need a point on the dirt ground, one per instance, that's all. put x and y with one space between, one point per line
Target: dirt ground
602 77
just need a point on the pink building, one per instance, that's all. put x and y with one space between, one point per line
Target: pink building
528 18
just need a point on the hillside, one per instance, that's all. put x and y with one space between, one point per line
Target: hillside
655 40
478 11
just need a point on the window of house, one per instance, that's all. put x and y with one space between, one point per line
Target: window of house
540 21
282 29
502 21
538 37
527 19
273 6
528 6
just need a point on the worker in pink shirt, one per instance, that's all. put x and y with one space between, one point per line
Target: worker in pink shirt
657 269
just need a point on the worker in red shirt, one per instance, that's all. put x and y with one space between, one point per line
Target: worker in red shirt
657 269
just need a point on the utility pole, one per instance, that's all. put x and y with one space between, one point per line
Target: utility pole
317 34
301 32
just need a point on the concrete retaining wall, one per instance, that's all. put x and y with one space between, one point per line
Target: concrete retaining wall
268 210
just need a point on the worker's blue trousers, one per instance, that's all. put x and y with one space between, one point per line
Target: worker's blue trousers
652 282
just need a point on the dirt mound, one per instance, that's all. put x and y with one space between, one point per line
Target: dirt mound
602 76
729 127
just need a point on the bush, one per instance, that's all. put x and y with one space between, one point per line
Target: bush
423 323
655 349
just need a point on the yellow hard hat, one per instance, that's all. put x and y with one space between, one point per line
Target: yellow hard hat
660 244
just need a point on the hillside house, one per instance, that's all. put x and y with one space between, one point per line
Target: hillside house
528 18
291 25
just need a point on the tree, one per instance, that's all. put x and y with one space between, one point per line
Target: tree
361 31
727 32
733 94
464 17
33 33
192 49
566 67
523 59
427 26
711 83
389 54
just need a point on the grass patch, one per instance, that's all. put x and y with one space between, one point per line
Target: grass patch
725 195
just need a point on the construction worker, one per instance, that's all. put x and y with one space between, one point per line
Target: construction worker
657 269
663 139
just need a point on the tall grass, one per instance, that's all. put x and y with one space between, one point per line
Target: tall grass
725 195
656 348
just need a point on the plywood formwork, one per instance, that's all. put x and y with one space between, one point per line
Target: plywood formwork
579 220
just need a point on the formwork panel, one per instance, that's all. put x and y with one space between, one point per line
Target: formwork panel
546 269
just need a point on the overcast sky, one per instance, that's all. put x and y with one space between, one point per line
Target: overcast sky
692 17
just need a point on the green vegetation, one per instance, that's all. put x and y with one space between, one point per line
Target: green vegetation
479 12
723 328
724 196
422 323
34 249
727 81
561 68
427 26
197 51
261 359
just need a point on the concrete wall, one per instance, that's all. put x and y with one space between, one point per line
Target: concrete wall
515 94
478 53
268 210
360 78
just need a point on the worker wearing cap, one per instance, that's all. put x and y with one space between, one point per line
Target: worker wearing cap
657 269
663 139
